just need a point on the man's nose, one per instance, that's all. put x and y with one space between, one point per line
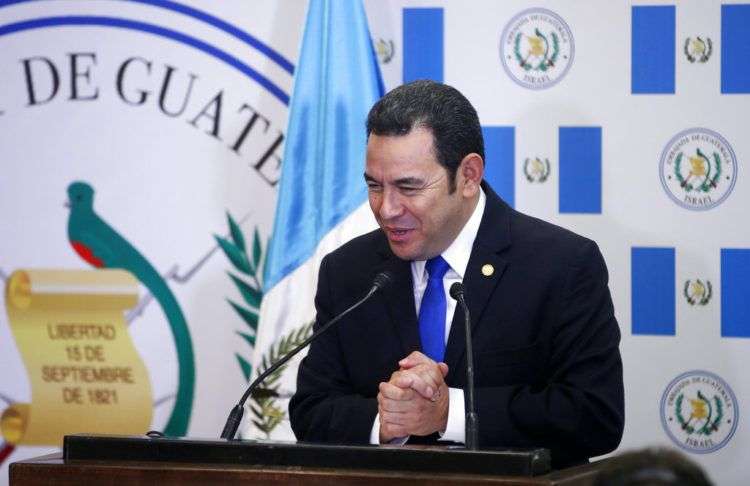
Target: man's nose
391 207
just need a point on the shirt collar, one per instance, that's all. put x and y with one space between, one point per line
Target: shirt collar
458 253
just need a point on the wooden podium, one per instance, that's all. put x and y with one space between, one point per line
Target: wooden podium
94 460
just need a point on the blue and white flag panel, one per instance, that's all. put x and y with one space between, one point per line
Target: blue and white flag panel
657 43
322 196
655 290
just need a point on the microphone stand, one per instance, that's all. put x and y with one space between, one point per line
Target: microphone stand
472 419
235 416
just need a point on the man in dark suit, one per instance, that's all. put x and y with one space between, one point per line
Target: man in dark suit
548 368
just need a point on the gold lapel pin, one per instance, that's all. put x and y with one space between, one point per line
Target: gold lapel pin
487 270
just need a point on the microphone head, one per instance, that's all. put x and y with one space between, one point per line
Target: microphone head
382 279
457 290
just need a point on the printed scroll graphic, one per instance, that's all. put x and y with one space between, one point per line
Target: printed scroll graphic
85 373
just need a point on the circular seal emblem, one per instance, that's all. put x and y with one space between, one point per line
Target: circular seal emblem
698 169
699 412
536 48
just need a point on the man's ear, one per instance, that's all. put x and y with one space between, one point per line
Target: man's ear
472 172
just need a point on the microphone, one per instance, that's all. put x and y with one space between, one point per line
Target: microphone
235 416
472 419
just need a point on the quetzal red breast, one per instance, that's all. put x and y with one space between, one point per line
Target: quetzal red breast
102 247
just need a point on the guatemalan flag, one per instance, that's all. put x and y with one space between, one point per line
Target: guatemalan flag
322 201
670 47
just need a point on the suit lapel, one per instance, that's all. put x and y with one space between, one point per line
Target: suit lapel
399 299
493 237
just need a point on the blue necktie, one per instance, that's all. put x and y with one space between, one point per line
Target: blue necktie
432 310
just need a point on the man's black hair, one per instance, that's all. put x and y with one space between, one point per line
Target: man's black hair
438 107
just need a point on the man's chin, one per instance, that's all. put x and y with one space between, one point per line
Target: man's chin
403 251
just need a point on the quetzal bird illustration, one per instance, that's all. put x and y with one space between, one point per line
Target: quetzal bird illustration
101 246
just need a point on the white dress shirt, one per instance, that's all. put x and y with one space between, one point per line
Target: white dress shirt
457 255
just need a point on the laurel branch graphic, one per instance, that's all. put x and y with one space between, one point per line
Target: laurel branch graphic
267 415
247 279
711 425
709 181
709 47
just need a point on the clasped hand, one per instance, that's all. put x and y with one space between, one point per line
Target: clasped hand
415 399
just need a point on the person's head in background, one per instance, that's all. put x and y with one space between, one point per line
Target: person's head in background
652 467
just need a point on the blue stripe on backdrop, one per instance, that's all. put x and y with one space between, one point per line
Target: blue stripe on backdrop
735 49
580 169
423 44
652 50
500 156
653 290
735 292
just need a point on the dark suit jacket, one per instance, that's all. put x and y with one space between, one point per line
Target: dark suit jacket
547 363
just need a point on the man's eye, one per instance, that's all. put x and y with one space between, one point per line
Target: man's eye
371 186
409 189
